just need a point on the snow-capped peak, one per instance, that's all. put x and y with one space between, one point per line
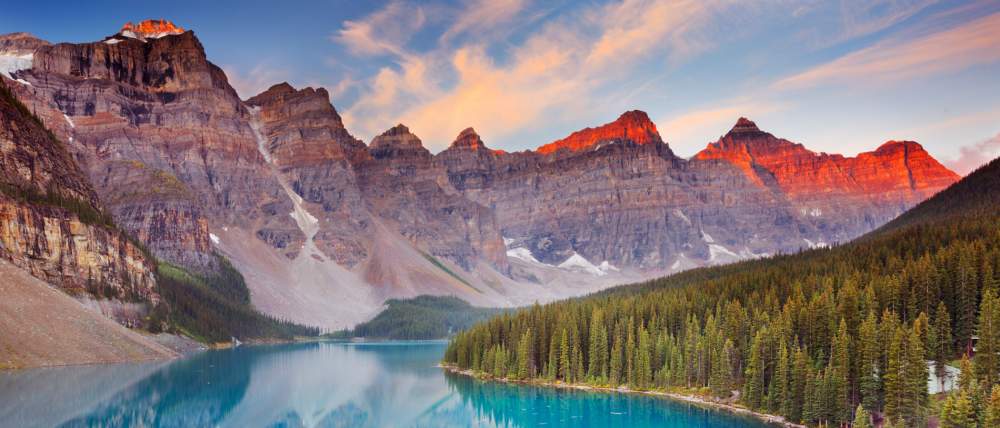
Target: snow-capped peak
150 29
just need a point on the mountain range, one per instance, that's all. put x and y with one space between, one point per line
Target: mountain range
325 228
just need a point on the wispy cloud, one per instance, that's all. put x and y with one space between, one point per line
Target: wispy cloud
257 80
481 16
561 65
384 32
973 156
946 51
689 132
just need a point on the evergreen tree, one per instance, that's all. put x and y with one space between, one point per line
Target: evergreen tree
958 412
565 369
943 347
987 362
991 416
525 356
753 389
615 370
896 398
598 350
862 419
870 354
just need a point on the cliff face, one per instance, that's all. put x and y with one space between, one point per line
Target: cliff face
842 196
50 221
159 104
631 204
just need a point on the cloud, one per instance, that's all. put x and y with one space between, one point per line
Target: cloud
483 16
974 156
385 31
950 50
559 67
257 80
690 132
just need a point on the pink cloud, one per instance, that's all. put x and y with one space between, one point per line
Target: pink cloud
955 49
974 156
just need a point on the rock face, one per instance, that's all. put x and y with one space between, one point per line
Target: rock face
841 196
50 219
160 105
325 228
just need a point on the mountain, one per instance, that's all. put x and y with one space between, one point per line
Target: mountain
842 197
325 228
810 337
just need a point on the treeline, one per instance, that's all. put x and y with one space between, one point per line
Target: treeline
214 308
821 337
422 317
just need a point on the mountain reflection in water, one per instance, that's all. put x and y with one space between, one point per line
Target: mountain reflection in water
393 384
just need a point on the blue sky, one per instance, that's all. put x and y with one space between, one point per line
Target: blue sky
837 76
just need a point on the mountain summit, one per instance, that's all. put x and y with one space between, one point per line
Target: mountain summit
150 29
632 125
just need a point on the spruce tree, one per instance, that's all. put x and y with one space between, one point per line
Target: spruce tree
862 419
525 356
987 362
753 388
958 411
943 347
869 372
565 369
991 416
615 370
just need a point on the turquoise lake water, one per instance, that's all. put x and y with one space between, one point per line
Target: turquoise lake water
319 385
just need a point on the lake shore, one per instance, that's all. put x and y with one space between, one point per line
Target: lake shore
687 398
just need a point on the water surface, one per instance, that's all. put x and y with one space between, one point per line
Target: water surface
319 385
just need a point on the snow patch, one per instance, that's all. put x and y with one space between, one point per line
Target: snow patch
112 41
69 121
607 267
10 63
578 262
707 238
716 251
214 238
507 241
524 254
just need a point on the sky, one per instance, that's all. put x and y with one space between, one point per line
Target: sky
837 76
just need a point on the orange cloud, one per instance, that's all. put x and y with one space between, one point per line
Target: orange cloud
955 49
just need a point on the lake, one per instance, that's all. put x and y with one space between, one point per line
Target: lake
393 384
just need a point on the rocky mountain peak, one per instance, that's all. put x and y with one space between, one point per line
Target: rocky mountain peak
20 43
745 128
396 139
632 125
150 29
468 139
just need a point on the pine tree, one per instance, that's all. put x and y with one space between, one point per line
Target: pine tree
958 412
987 363
862 419
870 353
644 370
896 397
840 364
943 347
525 356
991 416
916 378
598 350
615 370
565 369
553 365
753 389
799 384
777 396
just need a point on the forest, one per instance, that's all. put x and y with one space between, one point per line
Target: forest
214 308
420 318
826 337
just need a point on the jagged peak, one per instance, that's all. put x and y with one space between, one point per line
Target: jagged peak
397 137
150 29
744 126
633 125
468 139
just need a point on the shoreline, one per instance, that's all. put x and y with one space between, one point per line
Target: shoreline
691 399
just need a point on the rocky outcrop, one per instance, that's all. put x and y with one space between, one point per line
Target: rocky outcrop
403 185
51 223
160 103
842 196
631 204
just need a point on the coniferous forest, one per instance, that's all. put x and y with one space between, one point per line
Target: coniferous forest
834 336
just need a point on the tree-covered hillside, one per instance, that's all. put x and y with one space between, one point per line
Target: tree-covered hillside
422 317
818 336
